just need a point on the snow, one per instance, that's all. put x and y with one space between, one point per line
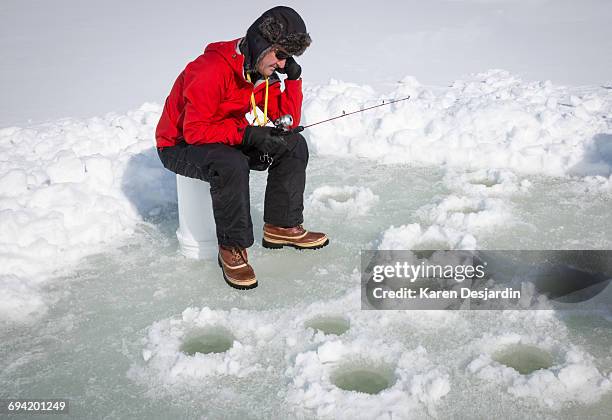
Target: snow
413 236
67 190
574 377
164 356
490 120
312 388
261 337
348 200
381 341
71 186
478 157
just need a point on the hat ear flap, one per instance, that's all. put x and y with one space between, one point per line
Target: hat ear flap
271 29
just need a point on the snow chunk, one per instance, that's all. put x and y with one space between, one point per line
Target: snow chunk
66 167
466 213
347 200
13 183
413 236
20 300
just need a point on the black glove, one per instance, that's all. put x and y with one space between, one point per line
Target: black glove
292 69
265 139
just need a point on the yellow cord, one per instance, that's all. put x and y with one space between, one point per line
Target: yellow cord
254 107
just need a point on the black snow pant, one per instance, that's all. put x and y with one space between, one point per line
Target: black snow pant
226 169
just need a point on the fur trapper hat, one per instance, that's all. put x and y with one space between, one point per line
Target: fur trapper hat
280 26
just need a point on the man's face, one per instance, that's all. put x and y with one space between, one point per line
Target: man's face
269 63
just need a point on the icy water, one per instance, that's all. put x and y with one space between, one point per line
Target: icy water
90 348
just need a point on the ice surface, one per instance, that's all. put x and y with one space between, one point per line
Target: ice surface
115 324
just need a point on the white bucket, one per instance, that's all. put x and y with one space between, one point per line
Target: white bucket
196 233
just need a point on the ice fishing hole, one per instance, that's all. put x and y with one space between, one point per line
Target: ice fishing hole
485 181
428 245
208 340
524 358
363 377
342 197
334 325
466 210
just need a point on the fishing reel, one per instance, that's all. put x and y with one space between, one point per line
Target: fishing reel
284 122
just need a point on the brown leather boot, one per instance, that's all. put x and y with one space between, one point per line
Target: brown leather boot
236 269
297 237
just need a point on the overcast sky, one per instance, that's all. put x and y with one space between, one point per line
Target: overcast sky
69 58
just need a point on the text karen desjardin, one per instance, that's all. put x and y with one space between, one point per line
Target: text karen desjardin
427 293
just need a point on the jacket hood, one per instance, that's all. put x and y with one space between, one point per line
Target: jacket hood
227 50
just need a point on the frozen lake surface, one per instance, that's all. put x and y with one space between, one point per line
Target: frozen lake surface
111 342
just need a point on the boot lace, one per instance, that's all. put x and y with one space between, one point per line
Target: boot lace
239 255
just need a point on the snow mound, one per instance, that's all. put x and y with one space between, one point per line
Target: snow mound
68 187
492 120
572 376
466 213
597 184
413 383
348 200
413 236
168 362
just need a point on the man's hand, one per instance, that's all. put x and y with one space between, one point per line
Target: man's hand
265 139
292 69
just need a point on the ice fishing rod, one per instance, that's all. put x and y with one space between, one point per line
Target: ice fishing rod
286 121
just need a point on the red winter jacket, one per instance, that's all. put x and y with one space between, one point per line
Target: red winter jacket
210 98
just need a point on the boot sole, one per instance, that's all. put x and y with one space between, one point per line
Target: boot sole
235 285
272 245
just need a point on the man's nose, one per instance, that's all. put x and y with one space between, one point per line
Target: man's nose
281 63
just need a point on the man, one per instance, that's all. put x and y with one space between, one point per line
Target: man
203 133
